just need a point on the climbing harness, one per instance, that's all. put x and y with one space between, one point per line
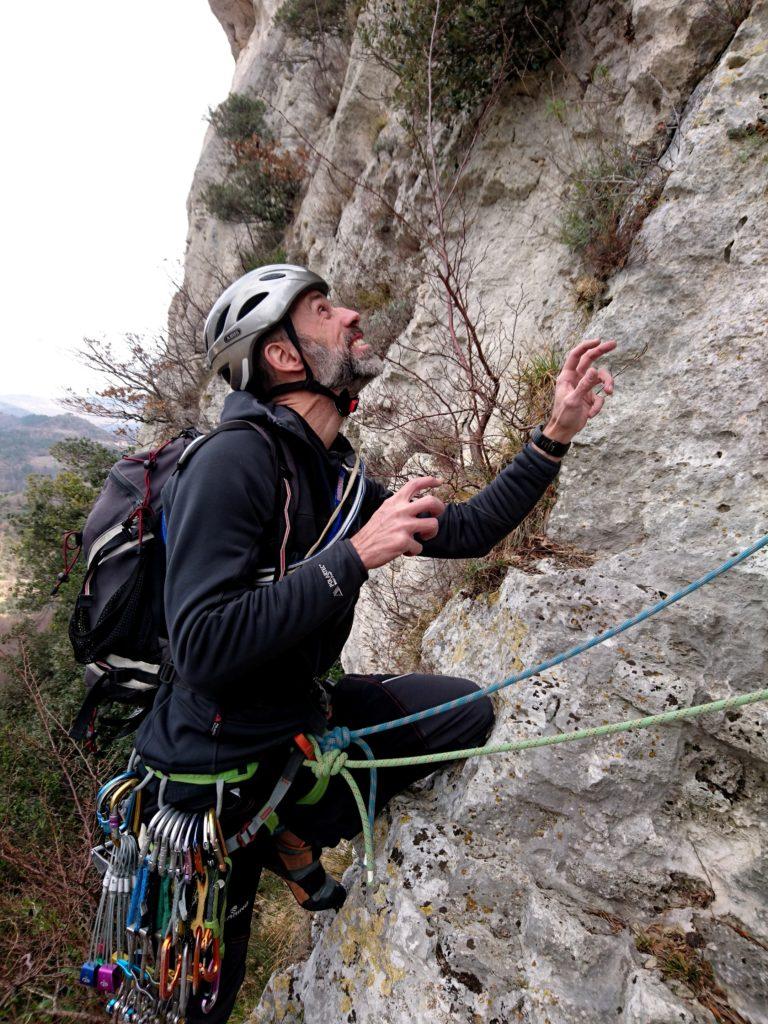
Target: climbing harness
331 757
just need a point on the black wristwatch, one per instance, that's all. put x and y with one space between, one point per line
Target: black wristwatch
556 448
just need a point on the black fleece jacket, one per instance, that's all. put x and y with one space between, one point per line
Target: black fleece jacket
246 656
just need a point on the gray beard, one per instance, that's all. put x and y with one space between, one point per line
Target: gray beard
340 369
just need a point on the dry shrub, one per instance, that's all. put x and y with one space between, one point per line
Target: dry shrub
408 599
48 893
604 212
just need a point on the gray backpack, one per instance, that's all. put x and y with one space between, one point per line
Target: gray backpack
118 628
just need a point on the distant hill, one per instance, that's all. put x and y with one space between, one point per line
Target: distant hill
23 405
26 439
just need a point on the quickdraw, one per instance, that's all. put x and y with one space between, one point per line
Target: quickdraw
159 932
157 937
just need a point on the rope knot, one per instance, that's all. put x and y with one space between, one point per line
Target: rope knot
327 762
338 738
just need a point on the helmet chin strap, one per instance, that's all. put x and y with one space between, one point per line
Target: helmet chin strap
344 402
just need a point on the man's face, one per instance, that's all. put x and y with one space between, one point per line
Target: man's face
332 343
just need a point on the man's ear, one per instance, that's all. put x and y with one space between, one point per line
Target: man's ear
280 355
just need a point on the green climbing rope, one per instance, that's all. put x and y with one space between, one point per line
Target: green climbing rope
337 762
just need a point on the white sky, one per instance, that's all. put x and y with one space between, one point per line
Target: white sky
103 120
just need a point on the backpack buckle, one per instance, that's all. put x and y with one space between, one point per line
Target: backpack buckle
166 673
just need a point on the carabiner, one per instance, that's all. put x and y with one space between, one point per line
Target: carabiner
166 986
217 838
196 960
211 970
116 796
210 1000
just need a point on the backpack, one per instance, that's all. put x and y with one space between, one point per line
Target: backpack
118 629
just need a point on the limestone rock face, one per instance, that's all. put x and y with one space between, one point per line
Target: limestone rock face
550 887
237 18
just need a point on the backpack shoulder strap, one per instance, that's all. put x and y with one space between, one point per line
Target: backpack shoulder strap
287 494
199 441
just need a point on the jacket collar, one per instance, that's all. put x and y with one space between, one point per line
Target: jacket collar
242 405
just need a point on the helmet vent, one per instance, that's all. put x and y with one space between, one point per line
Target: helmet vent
250 304
271 277
220 322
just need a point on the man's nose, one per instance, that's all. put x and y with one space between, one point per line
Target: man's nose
349 317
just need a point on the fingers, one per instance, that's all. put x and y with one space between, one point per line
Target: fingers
607 380
429 504
597 405
420 483
587 382
594 352
414 548
573 357
427 529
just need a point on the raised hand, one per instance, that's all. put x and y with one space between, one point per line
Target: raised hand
398 524
576 403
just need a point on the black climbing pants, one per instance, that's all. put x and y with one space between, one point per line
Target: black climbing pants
357 701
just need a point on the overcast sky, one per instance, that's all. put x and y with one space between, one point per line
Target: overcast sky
103 120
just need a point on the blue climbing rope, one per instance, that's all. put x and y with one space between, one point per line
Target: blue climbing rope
340 737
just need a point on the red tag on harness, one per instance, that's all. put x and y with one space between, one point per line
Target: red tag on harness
304 745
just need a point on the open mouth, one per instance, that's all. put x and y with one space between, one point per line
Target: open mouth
355 339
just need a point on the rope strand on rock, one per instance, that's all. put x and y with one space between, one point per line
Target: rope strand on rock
331 757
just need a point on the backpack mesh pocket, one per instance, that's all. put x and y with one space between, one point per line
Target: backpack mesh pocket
125 625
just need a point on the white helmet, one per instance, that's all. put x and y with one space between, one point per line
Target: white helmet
247 310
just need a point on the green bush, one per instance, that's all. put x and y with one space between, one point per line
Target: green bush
46 887
314 19
251 194
238 118
262 255
477 43
594 222
261 180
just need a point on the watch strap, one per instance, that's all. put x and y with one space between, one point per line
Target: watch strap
556 448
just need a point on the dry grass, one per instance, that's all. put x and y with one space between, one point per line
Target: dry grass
483 576
679 957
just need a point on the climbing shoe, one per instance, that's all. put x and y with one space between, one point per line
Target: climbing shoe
298 864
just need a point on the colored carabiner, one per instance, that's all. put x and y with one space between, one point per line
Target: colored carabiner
165 972
210 1000
210 971
196 960
117 795
216 837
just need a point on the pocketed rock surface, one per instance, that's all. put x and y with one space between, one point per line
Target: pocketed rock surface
551 887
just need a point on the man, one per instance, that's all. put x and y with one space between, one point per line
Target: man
271 532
